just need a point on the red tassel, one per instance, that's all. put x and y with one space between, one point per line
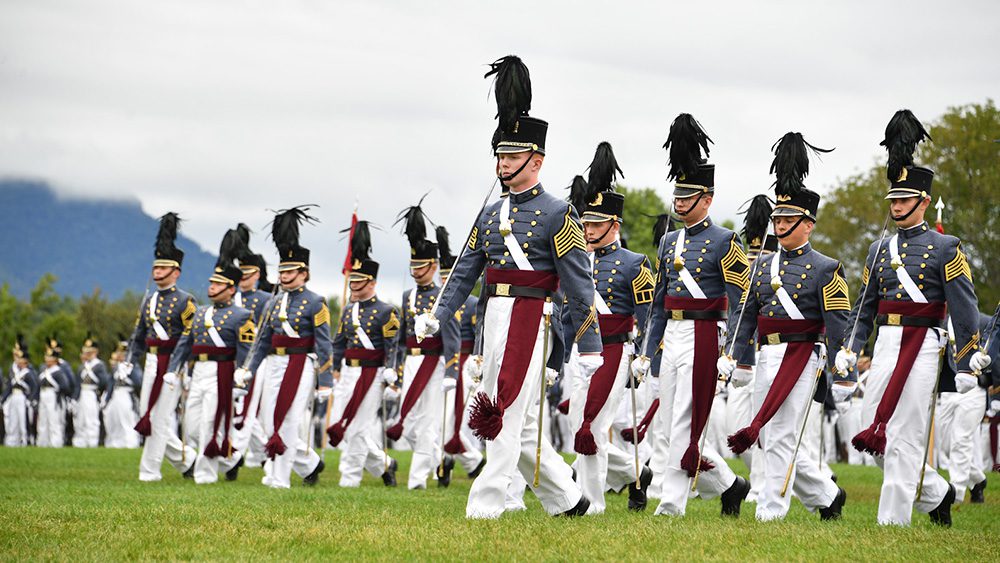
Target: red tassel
744 438
628 434
689 462
212 449
455 446
275 446
584 442
878 442
143 427
563 407
486 417
996 467
336 434
870 440
395 431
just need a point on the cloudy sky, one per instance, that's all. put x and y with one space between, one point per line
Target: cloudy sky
222 110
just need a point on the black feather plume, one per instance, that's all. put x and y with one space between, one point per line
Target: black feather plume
512 89
902 135
664 224
262 283
791 163
604 169
684 144
444 248
285 227
414 225
167 234
361 242
757 217
232 248
579 194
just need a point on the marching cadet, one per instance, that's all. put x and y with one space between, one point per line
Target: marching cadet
54 390
254 293
702 275
296 343
18 393
365 345
217 339
530 244
623 290
916 275
462 446
425 381
166 313
797 305
93 393
120 416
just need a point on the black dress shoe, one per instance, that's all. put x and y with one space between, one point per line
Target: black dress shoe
733 497
833 477
835 509
389 477
637 491
942 514
479 469
444 471
978 492
579 510
189 474
234 471
313 477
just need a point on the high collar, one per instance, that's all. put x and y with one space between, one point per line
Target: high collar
427 287
913 231
370 301
223 304
700 226
526 195
804 249
170 289
605 250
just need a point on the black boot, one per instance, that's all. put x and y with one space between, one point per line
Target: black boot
637 491
313 477
444 471
942 514
733 497
235 471
978 492
189 474
579 510
389 477
479 469
833 511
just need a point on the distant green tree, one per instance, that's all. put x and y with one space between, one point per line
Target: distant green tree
642 206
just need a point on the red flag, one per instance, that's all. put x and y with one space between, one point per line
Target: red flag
350 238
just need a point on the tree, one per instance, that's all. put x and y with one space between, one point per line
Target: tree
642 206
966 159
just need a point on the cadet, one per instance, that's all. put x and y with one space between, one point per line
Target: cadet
18 393
93 393
55 387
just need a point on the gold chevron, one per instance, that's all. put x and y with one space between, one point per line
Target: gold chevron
735 267
836 294
643 285
322 317
958 266
570 236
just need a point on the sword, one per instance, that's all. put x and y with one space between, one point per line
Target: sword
930 424
871 271
541 402
805 419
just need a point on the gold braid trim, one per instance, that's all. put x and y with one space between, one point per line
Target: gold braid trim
836 294
643 285
971 345
570 236
391 327
247 331
188 315
735 267
958 266
865 275
587 323
322 317
473 238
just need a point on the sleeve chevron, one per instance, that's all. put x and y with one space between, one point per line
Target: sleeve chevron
570 236
735 267
643 285
322 317
958 266
835 293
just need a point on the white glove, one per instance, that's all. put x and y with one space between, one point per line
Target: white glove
589 364
425 325
842 392
241 377
845 360
726 365
323 393
448 384
741 377
390 394
640 367
170 379
389 376
965 382
550 377
123 371
980 361
994 408
473 369
239 392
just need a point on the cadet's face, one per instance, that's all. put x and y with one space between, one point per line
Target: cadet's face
88 355
795 238
692 211
292 279
51 361
507 164
901 206
600 234
362 290
220 292
165 276
424 275
249 281
22 363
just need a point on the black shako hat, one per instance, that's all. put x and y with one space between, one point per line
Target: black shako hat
902 135
516 131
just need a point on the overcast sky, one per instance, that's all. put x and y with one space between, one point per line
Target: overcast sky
221 110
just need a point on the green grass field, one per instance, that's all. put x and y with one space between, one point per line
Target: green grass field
88 504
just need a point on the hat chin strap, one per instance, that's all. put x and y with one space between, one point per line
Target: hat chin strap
795 226
604 234
508 177
906 215
690 209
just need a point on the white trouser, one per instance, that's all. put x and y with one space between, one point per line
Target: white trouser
715 429
812 438
906 431
848 426
298 455
623 420
199 421
470 458
15 419
86 421
739 413
423 426
658 436
610 467
248 442
564 429
120 419
778 438
514 448
359 448
162 440
829 437
676 368
957 438
50 419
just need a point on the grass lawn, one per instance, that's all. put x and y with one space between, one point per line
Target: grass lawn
88 504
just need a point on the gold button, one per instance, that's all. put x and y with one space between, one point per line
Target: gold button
803 276
697 270
930 247
538 212
905 245
502 262
809 266
529 233
533 223
513 210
